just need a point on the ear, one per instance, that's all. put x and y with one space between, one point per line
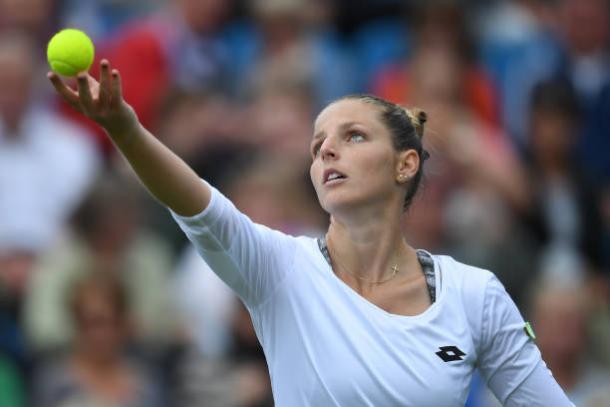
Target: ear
407 165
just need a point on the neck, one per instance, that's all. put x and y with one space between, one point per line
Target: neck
101 367
369 248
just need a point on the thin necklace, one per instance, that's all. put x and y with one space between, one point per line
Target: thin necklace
395 269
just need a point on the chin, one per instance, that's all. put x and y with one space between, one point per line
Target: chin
334 203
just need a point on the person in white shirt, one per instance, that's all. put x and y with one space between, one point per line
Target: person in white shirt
357 318
47 164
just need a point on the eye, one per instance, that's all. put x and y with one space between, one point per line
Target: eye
356 136
316 149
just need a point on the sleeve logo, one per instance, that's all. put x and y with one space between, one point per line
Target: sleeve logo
529 331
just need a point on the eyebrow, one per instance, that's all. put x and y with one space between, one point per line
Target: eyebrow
342 126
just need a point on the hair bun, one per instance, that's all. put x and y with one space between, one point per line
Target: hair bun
418 117
422 117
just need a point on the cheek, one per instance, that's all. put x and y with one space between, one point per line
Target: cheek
314 175
377 168
312 172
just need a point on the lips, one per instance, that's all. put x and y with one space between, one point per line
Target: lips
332 175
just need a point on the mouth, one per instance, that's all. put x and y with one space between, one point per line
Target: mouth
332 176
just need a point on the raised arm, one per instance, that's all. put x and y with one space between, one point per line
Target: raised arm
166 176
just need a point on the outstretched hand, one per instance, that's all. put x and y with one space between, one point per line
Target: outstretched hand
101 101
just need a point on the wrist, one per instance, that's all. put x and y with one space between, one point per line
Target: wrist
125 133
123 128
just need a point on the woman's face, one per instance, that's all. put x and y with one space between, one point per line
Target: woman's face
354 160
100 327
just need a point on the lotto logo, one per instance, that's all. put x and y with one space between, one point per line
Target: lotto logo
450 353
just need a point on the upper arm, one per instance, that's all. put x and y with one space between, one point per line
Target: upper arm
250 258
509 360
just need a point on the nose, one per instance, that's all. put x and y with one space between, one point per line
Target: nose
328 149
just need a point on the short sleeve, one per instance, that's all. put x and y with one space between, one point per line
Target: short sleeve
509 360
250 258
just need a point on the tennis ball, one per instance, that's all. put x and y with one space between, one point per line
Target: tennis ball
69 52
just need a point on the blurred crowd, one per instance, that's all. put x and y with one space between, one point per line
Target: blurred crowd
104 303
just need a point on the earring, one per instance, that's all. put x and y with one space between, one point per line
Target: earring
402 178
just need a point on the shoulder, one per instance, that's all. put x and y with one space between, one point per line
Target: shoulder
474 285
471 288
469 280
308 247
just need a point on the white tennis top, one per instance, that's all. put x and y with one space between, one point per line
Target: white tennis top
328 346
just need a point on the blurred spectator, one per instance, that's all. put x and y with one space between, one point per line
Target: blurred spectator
46 164
199 381
585 30
504 23
581 56
239 379
292 57
36 17
281 125
96 372
214 135
100 18
560 316
186 45
441 26
205 304
12 388
108 238
516 43
564 214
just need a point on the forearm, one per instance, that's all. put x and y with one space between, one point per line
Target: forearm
166 176
539 389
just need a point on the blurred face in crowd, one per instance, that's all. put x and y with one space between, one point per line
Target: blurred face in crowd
559 319
351 142
204 15
16 73
553 136
585 24
30 15
437 77
115 228
15 268
280 28
100 323
272 114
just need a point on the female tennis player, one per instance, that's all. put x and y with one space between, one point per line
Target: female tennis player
358 318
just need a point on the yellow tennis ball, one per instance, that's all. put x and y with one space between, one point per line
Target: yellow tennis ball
70 51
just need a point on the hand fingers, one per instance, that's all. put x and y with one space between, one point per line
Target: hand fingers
84 92
68 94
104 87
117 92
94 87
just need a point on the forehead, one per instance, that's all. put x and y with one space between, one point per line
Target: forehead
348 111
